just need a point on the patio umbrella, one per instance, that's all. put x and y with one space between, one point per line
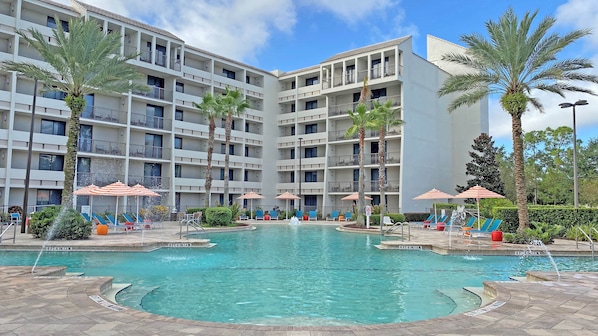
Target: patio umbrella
141 190
354 197
115 189
251 196
478 192
86 191
287 196
434 194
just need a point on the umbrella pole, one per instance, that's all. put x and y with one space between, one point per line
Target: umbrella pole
478 202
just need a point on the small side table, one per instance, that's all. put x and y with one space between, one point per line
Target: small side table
466 232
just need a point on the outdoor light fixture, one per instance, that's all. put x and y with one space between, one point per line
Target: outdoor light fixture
575 187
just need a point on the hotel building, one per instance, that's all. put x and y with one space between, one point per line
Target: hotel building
291 138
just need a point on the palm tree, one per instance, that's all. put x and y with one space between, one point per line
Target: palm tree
385 119
362 119
83 61
516 60
234 104
211 108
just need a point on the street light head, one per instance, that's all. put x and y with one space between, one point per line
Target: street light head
581 102
565 105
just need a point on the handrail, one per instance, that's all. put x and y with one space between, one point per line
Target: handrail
402 225
193 220
6 230
588 237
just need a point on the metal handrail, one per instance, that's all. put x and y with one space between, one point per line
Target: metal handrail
6 230
193 220
588 237
402 225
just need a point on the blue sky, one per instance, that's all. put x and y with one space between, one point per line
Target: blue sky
293 34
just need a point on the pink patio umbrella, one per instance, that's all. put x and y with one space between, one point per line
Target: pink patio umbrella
142 191
434 194
251 196
115 189
354 197
87 191
478 192
287 196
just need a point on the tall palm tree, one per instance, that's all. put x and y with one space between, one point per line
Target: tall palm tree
512 63
362 119
211 108
385 118
83 61
234 104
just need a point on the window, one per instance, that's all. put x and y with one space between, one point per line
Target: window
230 174
89 104
293 107
312 104
157 85
83 171
246 151
350 74
311 152
49 197
153 146
180 87
246 176
85 138
311 200
292 177
311 128
231 149
247 80
152 175
178 115
53 127
311 81
160 55
232 124
228 73
293 85
177 170
51 22
378 93
55 94
154 116
311 176
178 143
376 68
51 162
292 153
247 127
292 130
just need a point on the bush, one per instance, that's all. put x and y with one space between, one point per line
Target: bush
537 231
375 219
557 215
416 216
69 224
576 232
218 216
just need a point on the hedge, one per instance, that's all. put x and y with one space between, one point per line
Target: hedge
556 215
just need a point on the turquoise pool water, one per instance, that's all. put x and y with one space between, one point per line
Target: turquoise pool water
297 275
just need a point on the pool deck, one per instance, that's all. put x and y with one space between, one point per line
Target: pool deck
49 302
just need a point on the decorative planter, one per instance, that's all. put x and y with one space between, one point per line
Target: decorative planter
305 217
266 217
102 229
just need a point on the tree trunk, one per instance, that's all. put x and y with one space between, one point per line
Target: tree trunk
227 131
360 186
519 173
382 174
76 105
208 185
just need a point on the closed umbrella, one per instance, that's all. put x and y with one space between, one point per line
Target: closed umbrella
433 194
478 193
141 190
287 196
251 196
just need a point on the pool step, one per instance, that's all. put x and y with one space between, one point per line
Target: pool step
74 274
479 291
111 293
520 279
464 299
134 295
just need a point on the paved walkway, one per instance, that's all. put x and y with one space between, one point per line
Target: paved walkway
50 303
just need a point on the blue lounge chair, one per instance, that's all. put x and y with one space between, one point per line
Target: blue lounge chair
259 214
484 227
114 223
86 216
128 218
299 214
273 214
99 219
333 216
348 216
428 221
313 215
439 220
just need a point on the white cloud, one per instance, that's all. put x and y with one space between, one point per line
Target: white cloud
351 11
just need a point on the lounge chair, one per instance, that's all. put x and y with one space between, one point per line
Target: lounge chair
333 216
116 225
273 214
387 221
299 214
259 214
348 216
86 216
485 226
439 220
313 215
99 219
428 221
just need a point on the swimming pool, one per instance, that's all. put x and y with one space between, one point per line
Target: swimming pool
297 275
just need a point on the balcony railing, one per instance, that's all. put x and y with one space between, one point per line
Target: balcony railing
353 159
144 120
369 186
343 108
100 147
152 152
104 114
151 182
99 179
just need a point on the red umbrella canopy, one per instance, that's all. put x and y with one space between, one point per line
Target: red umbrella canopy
432 195
251 195
115 189
478 192
287 196
86 191
143 191
354 197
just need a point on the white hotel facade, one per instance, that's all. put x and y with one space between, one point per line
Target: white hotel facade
159 139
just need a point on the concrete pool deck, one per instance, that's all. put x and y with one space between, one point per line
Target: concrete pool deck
48 302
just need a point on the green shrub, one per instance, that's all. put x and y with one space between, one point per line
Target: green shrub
218 216
537 231
557 215
235 211
69 224
575 232
375 219
416 216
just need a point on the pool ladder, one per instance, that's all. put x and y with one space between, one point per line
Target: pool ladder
191 220
395 226
588 237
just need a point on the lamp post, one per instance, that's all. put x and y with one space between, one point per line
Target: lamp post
28 169
575 187
300 198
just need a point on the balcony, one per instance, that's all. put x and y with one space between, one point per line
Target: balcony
342 109
143 120
149 152
368 159
151 182
99 179
104 114
100 147
371 186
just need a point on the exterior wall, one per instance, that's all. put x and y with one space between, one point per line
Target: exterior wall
133 142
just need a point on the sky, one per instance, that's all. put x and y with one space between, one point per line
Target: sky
293 34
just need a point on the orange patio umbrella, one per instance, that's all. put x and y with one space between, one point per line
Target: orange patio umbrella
142 191
434 194
354 197
287 196
251 196
87 191
115 189
478 192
